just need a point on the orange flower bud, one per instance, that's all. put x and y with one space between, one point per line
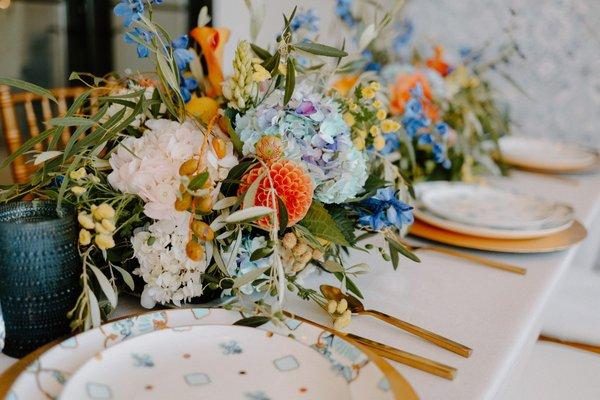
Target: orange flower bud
184 203
203 204
269 148
189 167
194 251
203 231
220 147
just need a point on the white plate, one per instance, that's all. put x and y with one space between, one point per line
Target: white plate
487 207
546 154
492 233
207 362
46 377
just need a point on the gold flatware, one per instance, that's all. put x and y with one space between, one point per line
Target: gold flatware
389 352
357 307
470 257
555 242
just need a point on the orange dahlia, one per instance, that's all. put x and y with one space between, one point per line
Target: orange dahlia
291 183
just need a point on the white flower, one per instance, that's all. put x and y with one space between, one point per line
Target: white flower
85 237
78 190
149 166
114 108
169 274
104 241
85 220
79 174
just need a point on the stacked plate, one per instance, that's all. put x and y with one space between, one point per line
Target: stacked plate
200 354
489 212
546 155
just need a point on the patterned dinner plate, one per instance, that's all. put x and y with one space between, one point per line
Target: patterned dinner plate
207 362
488 207
47 376
544 154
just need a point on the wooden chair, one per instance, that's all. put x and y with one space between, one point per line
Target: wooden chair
13 105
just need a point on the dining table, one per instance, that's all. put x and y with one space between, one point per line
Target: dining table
496 313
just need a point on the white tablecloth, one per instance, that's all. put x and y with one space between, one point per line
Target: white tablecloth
498 314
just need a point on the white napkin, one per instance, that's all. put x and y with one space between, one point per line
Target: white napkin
573 312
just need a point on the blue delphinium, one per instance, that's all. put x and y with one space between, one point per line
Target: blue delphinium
371 65
417 125
385 210
305 20
343 9
140 35
130 11
182 57
392 143
315 135
405 31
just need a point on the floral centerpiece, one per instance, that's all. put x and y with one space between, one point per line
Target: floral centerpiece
451 117
202 187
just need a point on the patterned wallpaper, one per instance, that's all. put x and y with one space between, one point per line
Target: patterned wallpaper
561 42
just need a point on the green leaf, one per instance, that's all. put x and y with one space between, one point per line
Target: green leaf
400 248
394 256
351 286
272 64
321 224
231 183
105 285
235 139
28 87
343 222
71 121
198 181
283 215
250 276
290 81
127 278
260 52
261 253
28 145
320 49
253 322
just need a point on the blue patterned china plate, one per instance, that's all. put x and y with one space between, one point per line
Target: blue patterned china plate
47 376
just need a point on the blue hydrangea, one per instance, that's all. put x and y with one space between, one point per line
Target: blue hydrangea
315 135
308 20
243 264
385 210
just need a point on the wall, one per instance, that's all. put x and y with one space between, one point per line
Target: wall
560 39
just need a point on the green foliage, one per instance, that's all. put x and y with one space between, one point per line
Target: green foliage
320 223
345 224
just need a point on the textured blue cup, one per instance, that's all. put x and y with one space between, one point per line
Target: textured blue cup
39 273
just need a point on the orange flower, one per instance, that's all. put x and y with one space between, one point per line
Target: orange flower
212 42
345 83
291 183
400 94
437 61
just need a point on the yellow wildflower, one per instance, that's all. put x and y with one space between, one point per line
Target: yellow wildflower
379 142
108 225
103 211
374 131
78 190
260 73
361 133
377 104
381 114
367 92
349 119
79 174
353 106
359 143
375 86
282 69
104 241
389 125
85 220
85 237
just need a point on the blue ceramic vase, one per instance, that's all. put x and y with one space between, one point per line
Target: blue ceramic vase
39 273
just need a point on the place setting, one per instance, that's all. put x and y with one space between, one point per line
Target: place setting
158 216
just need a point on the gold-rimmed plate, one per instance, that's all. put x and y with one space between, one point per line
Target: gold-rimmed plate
555 242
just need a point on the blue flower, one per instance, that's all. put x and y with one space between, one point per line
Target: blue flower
370 65
343 9
141 35
405 31
182 55
385 210
307 20
392 143
129 10
187 85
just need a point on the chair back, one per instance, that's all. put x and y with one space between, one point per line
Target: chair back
25 115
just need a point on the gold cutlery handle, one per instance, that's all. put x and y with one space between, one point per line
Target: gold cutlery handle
406 358
477 259
434 338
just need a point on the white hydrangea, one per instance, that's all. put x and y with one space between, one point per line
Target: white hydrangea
148 166
169 274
